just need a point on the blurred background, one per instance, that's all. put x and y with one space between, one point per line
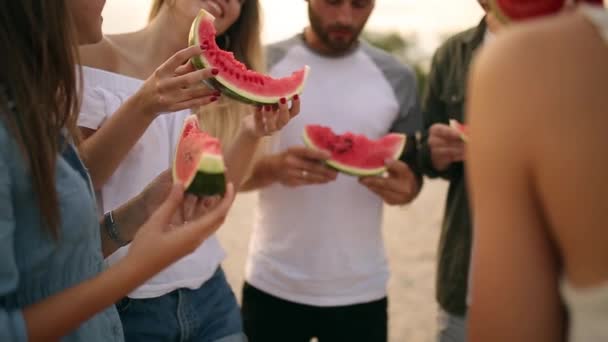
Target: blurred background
410 29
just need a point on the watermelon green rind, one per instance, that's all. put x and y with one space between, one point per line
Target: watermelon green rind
225 86
351 170
209 177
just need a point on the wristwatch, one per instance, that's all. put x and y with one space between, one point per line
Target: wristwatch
112 229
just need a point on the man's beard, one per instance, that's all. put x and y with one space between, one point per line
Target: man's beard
335 45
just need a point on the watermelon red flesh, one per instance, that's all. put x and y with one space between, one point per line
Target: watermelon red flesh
517 10
234 78
198 161
355 154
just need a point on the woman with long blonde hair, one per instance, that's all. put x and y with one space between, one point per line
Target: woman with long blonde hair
53 285
124 77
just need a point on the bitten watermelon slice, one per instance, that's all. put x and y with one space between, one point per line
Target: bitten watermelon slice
199 164
355 154
234 79
461 128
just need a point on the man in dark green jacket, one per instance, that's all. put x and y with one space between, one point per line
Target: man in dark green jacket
442 155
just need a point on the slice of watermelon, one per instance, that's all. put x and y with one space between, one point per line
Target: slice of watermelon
234 79
355 154
461 128
518 10
199 164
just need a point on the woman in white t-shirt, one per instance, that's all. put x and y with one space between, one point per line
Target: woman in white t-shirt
131 118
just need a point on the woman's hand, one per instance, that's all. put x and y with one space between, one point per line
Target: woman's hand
270 119
163 240
192 207
176 85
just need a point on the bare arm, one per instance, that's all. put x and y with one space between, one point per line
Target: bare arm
174 86
263 174
514 269
153 249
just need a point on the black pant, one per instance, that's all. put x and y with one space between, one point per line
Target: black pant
270 319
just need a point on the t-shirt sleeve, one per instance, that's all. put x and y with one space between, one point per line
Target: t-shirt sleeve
93 108
402 80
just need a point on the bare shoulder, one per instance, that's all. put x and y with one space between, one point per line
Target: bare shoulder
537 76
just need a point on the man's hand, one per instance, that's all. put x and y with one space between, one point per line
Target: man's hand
299 166
446 146
400 186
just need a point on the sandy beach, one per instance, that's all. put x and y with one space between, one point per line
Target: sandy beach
411 234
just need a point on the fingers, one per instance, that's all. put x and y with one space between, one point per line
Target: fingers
258 117
295 106
206 224
398 169
390 197
309 153
284 114
184 69
166 211
179 58
188 207
444 132
199 91
187 80
269 118
306 177
188 104
311 167
451 154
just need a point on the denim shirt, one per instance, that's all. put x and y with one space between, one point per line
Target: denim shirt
34 265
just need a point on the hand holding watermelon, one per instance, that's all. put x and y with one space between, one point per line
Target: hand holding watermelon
159 243
176 85
269 119
303 166
446 145
399 187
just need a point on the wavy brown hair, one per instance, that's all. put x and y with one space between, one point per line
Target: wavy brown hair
39 60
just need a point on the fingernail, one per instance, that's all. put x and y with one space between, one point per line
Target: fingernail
296 97
388 161
213 99
283 100
215 71
217 93
267 108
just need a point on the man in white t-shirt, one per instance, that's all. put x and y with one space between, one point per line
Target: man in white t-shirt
316 265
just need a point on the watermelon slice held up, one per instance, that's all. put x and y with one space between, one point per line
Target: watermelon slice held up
199 164
461 128
234 79
355 154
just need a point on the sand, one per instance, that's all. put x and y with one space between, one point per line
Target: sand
411 234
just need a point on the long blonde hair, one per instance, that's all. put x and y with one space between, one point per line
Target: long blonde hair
223 119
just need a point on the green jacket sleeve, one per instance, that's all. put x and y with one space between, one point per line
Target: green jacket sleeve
434 111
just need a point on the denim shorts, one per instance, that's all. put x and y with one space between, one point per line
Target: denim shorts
207 314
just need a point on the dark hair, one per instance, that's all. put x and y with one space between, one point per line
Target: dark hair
39 60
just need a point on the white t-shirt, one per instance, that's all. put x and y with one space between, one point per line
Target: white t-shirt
322 245
103 93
